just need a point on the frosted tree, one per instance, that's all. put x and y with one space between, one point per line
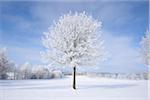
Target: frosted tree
5 64
145 48
25 70
41 72
75 40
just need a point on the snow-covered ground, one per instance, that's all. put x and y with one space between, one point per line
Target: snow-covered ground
88 88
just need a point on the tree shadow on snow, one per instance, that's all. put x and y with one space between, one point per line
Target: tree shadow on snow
40 87
112 86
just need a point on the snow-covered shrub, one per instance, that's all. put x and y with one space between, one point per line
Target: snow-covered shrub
11 75
130 76
145 76
57 74
41 72
113 75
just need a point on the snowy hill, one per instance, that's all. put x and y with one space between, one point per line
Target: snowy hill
88 88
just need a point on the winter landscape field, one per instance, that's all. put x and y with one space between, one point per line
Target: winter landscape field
88 88
74 50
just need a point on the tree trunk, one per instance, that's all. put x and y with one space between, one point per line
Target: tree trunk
74 77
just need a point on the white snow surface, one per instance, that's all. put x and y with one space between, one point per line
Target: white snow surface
88 88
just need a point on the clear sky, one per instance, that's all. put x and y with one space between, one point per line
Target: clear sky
124 22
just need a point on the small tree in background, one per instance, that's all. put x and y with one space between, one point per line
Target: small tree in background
25 71
145 51
41 72
145 48
74 41
5 64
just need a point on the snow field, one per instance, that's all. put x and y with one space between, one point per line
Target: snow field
88 88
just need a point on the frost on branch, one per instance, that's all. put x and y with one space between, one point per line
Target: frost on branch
145 48
75 40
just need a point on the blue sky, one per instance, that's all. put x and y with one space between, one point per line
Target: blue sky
124 23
